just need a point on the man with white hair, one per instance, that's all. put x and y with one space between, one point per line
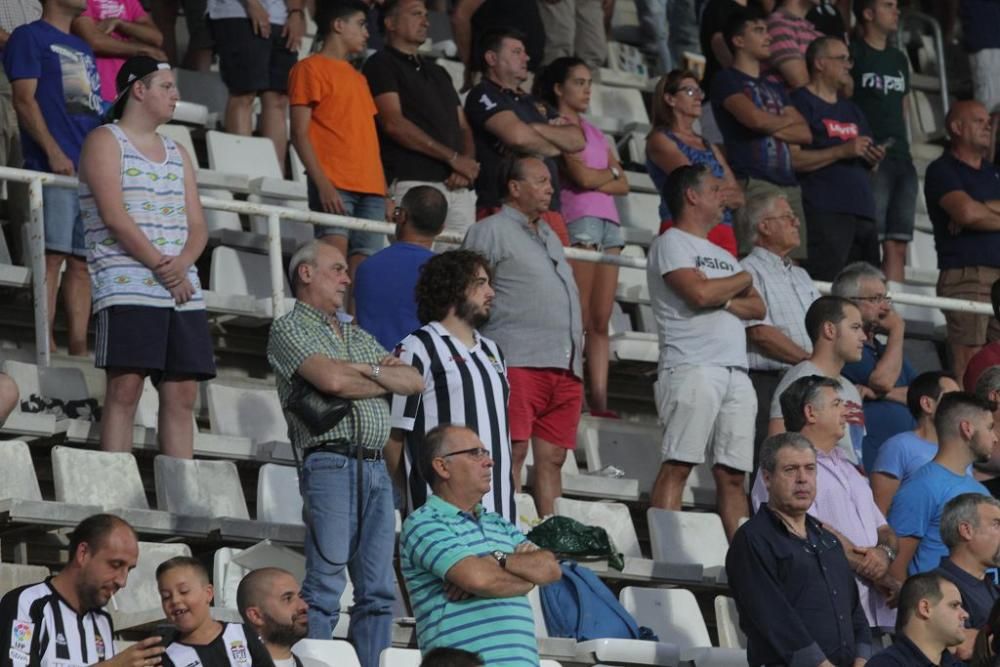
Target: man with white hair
882 375
316 349
779 341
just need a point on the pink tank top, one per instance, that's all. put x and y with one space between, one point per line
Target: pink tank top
577 203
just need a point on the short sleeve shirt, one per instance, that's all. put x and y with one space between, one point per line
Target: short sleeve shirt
980 19
969 247
305 332
788 291
833 125
383 292
277 10
433 540
881 82
108 66
704 337
342 128
917 506
484 101
68 91
790 37
903 454
427 98
752 154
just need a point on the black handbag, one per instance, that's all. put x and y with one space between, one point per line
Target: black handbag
318 411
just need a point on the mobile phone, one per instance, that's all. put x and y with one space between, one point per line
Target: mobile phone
166 632
889 143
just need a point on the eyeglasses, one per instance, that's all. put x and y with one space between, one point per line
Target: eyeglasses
477 453
785 217
880 299
691 91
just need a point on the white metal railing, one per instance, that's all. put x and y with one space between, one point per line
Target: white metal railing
275 214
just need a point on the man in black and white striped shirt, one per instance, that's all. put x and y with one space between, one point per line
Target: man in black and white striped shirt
61 621
465 377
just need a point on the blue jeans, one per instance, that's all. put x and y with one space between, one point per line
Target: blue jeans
356 205
896 189
669 28
330 491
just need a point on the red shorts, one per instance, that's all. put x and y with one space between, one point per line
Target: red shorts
545 403
721 235
554 220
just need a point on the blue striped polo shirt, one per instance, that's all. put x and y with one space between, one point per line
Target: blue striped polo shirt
434 538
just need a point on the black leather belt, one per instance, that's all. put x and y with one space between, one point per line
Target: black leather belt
344 448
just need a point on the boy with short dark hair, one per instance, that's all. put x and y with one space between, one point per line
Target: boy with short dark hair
186 597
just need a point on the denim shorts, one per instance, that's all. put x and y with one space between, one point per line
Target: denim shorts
894 185
599 232
63 224
358 205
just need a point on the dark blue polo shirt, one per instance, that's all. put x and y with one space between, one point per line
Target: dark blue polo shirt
904 653
967 248
797 598
978 595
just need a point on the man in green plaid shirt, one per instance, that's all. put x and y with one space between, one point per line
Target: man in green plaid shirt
319 344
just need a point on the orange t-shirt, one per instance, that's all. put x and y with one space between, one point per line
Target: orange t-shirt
342 130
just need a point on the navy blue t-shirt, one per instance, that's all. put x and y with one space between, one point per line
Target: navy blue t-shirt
832 125
68 92
980 24
967 248
750 153
383 292
883 418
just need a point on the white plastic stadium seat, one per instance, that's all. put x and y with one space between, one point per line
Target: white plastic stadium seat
689 537
21 497
674 616
727 620
327 652
139 602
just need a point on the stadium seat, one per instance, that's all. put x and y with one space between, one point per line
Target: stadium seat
327 652
527 513
253 156
400 657
689 537
139 602
206 89
240 285
585 485
617 110
249 411
111 481
181 134
26 376
674 616
21 501
616 519
727 620
635 448
230 565
640 211
14 576
212 489
632 284
278 498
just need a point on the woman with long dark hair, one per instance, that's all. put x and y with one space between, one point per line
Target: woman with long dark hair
589 179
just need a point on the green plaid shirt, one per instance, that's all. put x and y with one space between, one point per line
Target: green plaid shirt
306 331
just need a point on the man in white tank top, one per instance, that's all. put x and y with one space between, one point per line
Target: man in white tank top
144 230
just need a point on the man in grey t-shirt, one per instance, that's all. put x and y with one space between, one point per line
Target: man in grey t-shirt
834 325
700 296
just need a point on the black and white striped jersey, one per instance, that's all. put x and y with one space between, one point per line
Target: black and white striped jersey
461 386
236 646
39 628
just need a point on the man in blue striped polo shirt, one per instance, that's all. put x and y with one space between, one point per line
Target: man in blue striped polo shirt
469 571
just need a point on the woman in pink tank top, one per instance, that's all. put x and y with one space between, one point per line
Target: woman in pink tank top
589 180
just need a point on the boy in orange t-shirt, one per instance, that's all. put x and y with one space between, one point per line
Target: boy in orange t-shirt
333 130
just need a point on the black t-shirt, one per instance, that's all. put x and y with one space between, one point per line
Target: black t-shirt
236 646
968 247
521 15
713 20
427 99
484 101
827 19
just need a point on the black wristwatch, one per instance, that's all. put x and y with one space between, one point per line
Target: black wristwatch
501 558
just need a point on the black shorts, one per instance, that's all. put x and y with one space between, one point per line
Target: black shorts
250 63
162 342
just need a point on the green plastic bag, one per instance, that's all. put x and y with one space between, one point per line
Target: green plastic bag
569 537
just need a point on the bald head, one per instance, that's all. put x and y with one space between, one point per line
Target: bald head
968 125
270 601
256 586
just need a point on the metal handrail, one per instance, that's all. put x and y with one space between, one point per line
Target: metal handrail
275 214
926 20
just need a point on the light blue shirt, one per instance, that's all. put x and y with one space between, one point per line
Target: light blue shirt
916 511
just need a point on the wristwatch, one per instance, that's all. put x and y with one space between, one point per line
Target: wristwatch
888 551
376 370
501 558
615 172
